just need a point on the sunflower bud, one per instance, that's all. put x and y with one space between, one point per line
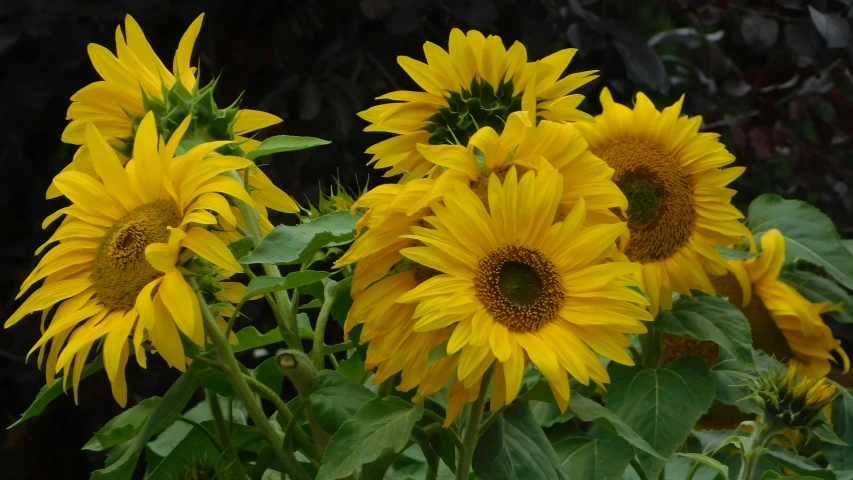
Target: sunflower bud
794 400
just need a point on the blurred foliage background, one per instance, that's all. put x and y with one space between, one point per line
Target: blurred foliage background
772 77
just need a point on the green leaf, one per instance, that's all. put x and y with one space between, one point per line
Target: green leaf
437 352
123 426
809 234
337 399
820 289
380 426
731 254
49 394
233 410
589 411
515 447
776 476
269 373
284 143
661 404
262 285
353 368
796 463
288 245
249 338
599 456
841 457
166 411
548 414
825 433
709 318
708 462
732 379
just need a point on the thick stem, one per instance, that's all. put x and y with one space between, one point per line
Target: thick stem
283 410
300 370
651 343
762 434
224 431
320 330
472 429
244 392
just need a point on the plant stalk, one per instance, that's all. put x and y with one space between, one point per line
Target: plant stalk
244 392
762 434
472 428
320 330
230 452
651 343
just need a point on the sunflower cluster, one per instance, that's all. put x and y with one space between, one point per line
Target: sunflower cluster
147 193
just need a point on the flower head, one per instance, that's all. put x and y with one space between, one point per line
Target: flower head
116 270
795 400
679 209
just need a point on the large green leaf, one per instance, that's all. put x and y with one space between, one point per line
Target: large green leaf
262 285
777 476
288 245
380 426
197 449
515 447
809 234
598 455
589 411
122 464
709 318
249 338
841 457
788 459
732 379
708 462
661 404
337 399
122 427
284 143
233 410
49 394
820 289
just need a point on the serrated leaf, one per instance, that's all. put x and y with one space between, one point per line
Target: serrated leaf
732 254
123 426
515 447
337 399
599 456
589 411
262 285
709 318
708 462
288 245
381 425
660 404
249 338
284 143
834 29
809 234
49 394
819 289
353 368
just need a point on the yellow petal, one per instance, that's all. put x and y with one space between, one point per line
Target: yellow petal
211 248
178 301
251 120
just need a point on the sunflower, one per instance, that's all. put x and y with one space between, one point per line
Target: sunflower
524 286
783 322
116 271
134 81
477 83
679 209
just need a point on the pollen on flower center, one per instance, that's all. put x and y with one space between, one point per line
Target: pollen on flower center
120 269
471 109
520 287
661 213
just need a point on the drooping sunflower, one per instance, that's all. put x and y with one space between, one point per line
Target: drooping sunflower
134 82
514 284
783 322
114 272
476 83
679 209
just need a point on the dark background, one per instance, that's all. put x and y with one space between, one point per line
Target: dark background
776 88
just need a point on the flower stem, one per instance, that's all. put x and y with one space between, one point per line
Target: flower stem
282 409
651 343
300 370
472 428
762 434
320 330
235 376
228 450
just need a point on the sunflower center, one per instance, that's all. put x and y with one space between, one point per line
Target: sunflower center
120 269
467 111
660 212
520 287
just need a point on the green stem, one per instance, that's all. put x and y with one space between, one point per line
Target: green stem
283 410
693 470
300 370
244 392
651 344
491 419
472 428
762 433
210 435
386 386
230 453
639 469
320 330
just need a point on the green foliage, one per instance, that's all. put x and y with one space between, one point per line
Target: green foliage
597 455
262 285
288 245
123 427
337 399
661 404
284 143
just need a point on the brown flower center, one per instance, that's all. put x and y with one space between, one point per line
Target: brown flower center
120 269
660 199
520 287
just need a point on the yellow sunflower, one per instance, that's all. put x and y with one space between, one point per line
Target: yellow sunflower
115 272
679 209
476 83
783 322
116 103
513 283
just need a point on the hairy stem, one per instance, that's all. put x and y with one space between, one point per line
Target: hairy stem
320 330
472 429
